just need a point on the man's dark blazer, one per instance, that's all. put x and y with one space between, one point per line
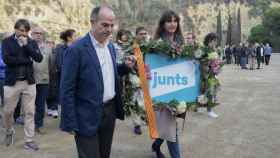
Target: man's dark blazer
15 56
82 89
258 52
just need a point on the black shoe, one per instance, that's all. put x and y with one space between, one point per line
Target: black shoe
10 136
156 149
137 130
39 131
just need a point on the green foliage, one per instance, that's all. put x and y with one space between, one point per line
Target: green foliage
258 34
274 41
188 24
173 103
229 30
259 7
164 47
1 37
269 31
201 54
271 21
238 30
219 28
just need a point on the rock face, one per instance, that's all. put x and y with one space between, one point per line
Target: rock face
198 16
52 15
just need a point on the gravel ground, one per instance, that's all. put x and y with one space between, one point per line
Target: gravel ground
248 126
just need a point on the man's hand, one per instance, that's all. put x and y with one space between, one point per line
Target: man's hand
148 72
23 40
130 61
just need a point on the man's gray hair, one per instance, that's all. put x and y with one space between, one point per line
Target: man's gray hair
95 12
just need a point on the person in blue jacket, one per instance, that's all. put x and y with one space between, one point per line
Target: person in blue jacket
2 77
90 93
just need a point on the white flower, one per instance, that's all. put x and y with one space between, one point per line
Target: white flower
159 40
202 99
135 80
181 108
198 53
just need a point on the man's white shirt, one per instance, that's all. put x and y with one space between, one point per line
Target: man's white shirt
107 68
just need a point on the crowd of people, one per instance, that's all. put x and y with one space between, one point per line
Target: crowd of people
88 77
30 74
255 55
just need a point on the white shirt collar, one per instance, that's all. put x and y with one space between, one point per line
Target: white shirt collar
95 43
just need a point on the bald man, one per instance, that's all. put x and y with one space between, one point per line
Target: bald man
90 87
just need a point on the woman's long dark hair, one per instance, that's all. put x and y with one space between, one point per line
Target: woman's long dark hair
65 34
160 31
209 38
122 32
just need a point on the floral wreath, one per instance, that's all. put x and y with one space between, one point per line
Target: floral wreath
200 53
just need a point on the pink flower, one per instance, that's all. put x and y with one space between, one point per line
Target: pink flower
215 65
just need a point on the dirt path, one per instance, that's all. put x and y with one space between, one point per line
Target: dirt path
248 126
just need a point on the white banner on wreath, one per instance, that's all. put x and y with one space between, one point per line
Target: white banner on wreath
172 78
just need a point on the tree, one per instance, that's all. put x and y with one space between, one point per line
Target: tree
259 8
258 34
229 30
271 21
269 31
238 29
219 28
235 39
140 7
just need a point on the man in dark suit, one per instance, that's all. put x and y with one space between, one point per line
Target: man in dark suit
19 52
228 54
259 53
90 87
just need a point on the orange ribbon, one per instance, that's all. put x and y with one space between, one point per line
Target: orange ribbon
151 118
